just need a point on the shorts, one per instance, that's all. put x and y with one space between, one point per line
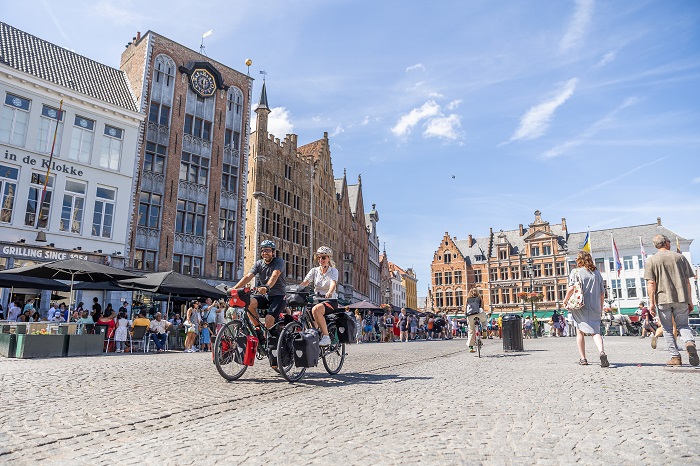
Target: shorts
330 306
275 305
368 328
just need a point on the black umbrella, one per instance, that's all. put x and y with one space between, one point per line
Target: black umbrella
173 283
20 281
71 269
105 286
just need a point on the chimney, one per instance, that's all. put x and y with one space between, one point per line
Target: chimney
563 224
658 221
520 228
469 240
138 36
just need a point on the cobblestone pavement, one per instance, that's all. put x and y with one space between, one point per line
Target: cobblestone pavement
400 403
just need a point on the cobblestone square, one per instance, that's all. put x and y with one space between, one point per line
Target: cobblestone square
400 403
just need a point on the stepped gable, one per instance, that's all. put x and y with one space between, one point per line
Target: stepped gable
29 54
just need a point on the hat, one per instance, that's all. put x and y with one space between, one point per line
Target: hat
58 313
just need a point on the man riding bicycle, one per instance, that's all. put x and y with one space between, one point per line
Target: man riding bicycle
325 280
270 296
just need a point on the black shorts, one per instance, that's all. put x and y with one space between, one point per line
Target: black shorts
330 306
275 305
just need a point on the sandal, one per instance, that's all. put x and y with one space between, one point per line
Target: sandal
583 362
604 360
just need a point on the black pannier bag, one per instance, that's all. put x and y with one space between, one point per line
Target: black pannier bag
347 328
306 349
239 349
296 295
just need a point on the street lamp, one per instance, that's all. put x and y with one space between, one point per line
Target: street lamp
530 270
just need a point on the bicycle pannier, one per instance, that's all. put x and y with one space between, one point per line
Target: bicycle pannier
347 328
306 349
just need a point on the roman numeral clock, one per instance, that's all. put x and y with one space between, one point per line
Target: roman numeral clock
204 78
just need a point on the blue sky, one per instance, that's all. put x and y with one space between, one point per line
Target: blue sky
459 115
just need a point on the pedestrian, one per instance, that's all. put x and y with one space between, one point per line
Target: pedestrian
404 325
96 309
358 326
668 277
587 319
205 337
122 331
192 322
368 328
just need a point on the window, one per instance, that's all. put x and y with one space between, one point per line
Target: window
194 168
81 140
631 287
47 127
504 273
611 265
187 265
641 262
265 221
103 217
559 268
197 127
8 187
448 278
227 224
438 278
15 116
276 224
111 147
503 254
495 297
232 139
149 209
561 292
159 114
145 260
154 158
537 270
229 178
73 206
547 249
616 291
627 261
164 70
35 190
534 250
287 231
459 298
449 299
296 230
458 277
515 273
190 218
224 270
288 171
550 296
548 269
305 237
644 288
477 276
438 299
493 274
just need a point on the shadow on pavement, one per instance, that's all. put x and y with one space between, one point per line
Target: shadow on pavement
325 380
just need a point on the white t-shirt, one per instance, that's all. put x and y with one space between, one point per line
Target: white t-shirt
322 281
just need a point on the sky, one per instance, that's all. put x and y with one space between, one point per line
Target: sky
459 116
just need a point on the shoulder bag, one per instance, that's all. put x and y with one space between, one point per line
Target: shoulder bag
576 299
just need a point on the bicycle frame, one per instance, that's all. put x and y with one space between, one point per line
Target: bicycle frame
250 326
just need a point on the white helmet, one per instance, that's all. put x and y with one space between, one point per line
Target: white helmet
324 250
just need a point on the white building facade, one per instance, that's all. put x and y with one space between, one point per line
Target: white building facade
371 220
87 184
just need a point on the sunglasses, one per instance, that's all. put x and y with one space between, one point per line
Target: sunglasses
323 257
266 250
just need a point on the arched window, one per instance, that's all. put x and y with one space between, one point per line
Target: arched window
447 256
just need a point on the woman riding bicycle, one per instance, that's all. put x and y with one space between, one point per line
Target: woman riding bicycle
474 310
325 280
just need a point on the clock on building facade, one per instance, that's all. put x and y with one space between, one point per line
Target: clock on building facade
203 82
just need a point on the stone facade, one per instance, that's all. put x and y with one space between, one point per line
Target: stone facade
371 220
190 190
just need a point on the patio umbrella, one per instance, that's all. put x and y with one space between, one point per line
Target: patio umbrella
363 305
97 286
71 269
21 281
173 283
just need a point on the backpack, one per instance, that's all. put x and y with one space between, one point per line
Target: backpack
473 306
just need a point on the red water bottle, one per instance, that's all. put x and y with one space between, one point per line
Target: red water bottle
251 348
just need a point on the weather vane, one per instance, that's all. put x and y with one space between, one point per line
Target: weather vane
206 34
264 73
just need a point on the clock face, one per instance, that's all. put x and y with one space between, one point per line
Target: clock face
203 82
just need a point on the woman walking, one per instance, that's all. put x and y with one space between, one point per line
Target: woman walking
587 319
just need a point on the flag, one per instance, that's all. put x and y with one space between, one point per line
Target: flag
587 243
644 254
616 257
678 246
208 33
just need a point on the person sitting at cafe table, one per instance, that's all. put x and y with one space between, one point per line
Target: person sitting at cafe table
29 306
158 328
13 311
57 317
141 320
84 320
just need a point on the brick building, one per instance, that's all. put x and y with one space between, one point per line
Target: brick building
537 258
189 189
354 240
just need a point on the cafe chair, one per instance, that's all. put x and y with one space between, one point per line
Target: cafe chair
139 336
149 342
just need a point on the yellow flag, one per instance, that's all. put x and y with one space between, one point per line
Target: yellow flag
587 243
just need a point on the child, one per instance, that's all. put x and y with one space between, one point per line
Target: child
205 337
121 333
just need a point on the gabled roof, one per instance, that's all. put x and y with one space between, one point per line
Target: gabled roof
29 54
353 197
625 238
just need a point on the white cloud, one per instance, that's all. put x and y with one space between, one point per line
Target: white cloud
696 180
365 122
117 13
578 26
417 66
591 131
278 122
454 104
412 118
607 58
338 129
446 127
536 121
435 95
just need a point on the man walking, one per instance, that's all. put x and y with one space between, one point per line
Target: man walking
668 276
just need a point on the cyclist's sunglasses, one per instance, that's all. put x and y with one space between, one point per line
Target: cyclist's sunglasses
323 257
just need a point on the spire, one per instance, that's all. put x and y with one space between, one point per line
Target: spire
262 105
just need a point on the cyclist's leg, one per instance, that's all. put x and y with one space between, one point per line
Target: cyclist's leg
319 311
276 307
253 311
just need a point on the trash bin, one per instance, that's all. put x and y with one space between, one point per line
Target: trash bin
512 332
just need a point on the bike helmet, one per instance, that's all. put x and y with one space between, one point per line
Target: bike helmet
268 244
324 250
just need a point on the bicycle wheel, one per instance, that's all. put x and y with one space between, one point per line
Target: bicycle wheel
228 352
333 355
478 346
285 353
